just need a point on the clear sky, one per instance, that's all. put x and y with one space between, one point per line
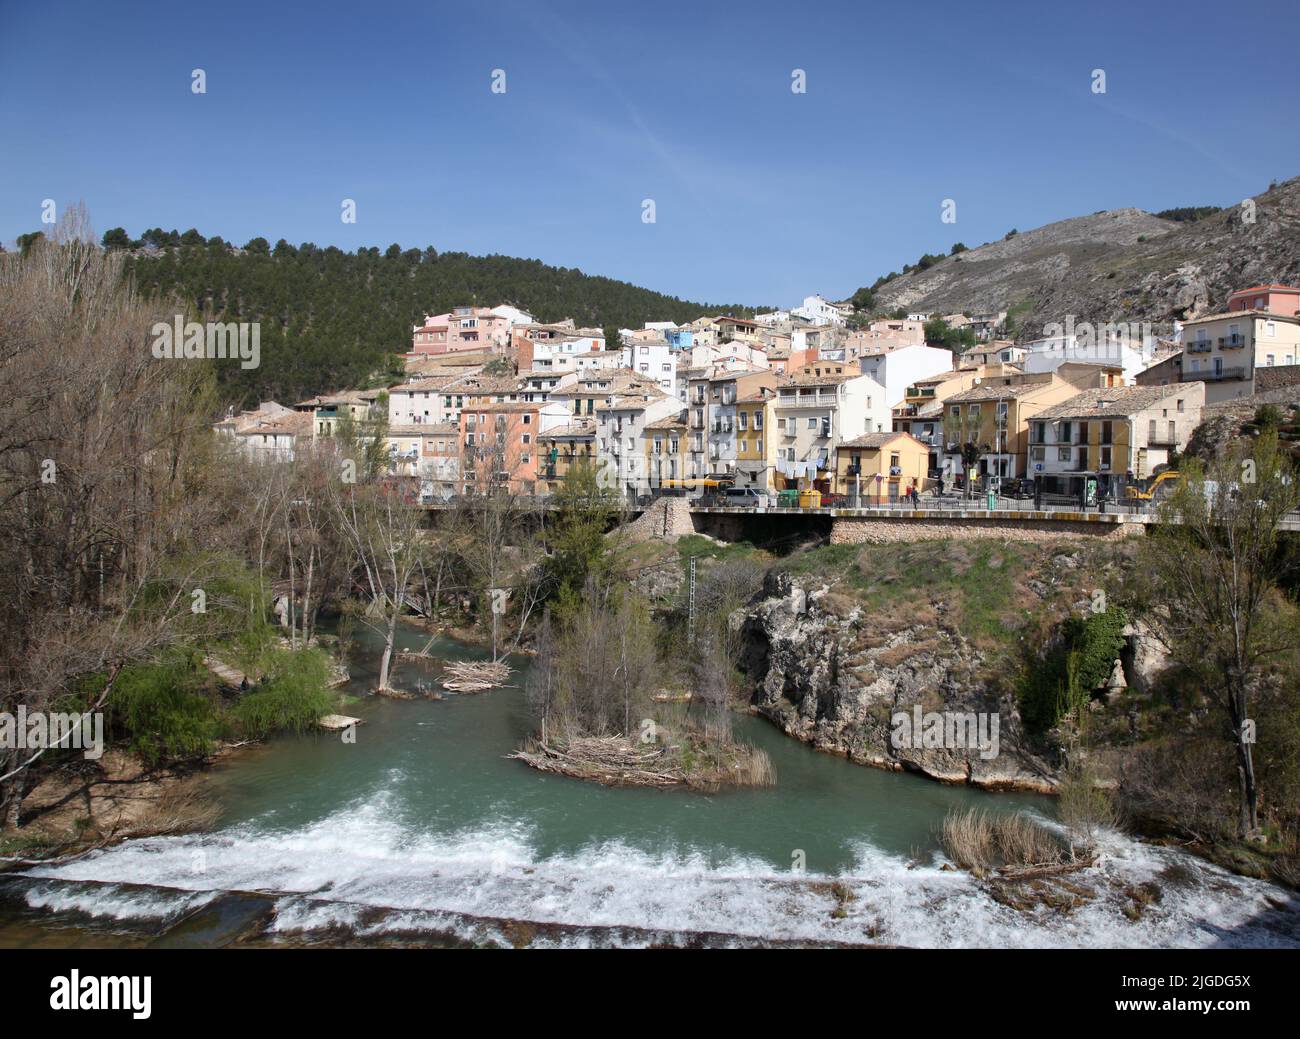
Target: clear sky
762 195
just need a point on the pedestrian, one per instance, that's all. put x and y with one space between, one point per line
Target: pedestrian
940 486
916 497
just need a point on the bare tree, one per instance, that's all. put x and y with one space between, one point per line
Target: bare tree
1211 568
384 532
112 509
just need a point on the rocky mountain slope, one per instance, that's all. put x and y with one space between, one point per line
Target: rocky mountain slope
1120 265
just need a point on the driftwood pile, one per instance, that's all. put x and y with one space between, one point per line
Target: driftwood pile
475 676
611 760
418 654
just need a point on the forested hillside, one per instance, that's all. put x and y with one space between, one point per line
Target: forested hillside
329 319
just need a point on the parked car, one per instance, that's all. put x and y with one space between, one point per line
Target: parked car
745 497
835 501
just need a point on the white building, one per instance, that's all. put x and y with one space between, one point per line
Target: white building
513 315
821 311
814 414
621 423
656 361
898 369
1116 345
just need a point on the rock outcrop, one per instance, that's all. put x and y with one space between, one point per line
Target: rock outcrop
830 676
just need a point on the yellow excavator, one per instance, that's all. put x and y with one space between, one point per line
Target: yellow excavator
1153 488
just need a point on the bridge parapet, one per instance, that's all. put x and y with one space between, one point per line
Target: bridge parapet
865 526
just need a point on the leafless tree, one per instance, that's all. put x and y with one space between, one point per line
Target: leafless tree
112 511
1212 569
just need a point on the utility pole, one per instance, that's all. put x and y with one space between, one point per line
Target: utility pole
690 607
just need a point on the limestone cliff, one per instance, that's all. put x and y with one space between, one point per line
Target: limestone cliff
837 653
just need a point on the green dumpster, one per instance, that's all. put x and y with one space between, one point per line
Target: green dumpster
788 499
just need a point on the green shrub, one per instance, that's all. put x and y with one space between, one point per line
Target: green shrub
294 695
162 711
1061 684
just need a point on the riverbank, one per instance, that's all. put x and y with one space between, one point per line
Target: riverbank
84 805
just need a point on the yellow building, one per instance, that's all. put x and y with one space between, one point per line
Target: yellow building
880 467
665 451
755 444
994 417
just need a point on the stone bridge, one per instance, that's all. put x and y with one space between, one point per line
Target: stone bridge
855 526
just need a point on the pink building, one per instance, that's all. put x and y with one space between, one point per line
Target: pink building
465 328
1276 299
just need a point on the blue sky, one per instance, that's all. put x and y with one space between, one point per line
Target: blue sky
761 195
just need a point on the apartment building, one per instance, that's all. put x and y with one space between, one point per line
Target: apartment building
621 422
817 409
902 367
921 410
499 444
655 360
820 311
725 390
1113 435
465 328
566 353
1223 350
665 447
1000 351
1112 345
429 453
1276 299
561 448
274 437
755 443
994 416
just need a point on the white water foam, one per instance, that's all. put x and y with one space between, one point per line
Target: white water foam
329 873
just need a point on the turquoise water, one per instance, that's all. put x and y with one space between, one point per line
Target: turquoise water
424 826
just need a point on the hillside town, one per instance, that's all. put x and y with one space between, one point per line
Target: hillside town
813 406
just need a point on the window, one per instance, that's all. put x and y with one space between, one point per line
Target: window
1062 454
1105 458
527 439
812 423
1270 328
1180 403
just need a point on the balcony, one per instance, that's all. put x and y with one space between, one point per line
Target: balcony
1232 342
1222 375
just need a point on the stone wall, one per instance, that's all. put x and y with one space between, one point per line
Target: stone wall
668 519
856 530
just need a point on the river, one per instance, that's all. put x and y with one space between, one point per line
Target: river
422 832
